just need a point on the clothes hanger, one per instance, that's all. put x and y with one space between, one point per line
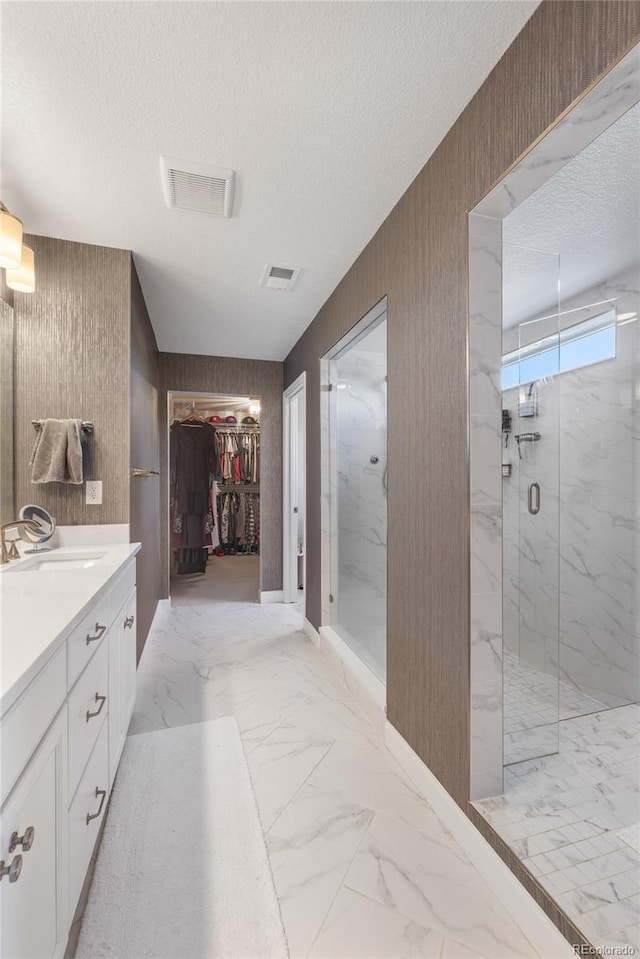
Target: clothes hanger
190 417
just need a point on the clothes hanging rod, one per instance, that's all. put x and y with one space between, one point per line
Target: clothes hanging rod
239 428
222 427
87 426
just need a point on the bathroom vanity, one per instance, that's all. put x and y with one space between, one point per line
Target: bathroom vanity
67 688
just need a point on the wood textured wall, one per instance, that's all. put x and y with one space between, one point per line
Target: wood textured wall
418 258
72 343
219 374
144 493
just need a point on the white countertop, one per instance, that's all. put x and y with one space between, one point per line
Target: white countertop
40 607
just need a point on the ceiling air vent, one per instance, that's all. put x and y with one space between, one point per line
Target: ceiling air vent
282 279
197 187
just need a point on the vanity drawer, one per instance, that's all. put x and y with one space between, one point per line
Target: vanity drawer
121 589
85 639
88 708
90 804
26 722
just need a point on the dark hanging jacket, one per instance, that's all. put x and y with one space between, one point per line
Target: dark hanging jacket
193 459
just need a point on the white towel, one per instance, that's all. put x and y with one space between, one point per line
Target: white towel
57 454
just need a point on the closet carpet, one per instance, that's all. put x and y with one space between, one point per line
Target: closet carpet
228 579
183 869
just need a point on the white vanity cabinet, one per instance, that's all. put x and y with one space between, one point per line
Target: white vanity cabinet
61 741
122 674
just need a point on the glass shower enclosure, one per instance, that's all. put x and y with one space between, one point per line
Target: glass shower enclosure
531 513
569 505
357 375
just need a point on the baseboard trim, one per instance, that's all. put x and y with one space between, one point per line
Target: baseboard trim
369 691
272 596
534 923
311 632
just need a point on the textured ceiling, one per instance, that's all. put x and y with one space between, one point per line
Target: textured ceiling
327 111
580 228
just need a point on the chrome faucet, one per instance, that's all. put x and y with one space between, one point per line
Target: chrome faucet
13 552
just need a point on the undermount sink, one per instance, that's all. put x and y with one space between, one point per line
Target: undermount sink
60 563
68 562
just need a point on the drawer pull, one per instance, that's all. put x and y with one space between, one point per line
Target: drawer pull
102 793
129 621
99 699
25 841
100 631
12 871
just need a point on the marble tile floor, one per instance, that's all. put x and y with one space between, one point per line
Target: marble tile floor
363 867
573 819
534 698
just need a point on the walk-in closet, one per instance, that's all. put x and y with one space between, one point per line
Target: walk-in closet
214 497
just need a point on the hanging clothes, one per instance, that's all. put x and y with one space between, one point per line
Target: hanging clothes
193 461
239 521
238 455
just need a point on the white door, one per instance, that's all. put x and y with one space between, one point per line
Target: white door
294 491
34 849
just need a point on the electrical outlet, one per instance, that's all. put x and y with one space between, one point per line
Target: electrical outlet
94 492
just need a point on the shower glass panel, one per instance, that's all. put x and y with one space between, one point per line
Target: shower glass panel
531 518
600 489
358 379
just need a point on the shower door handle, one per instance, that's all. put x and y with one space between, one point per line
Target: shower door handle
534 498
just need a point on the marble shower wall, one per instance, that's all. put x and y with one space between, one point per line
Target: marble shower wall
361 593
599 560
595 456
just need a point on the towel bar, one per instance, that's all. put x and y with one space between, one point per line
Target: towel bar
87 427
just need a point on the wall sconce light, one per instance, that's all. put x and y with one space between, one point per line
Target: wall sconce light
10 239
254 407
23 279
17 259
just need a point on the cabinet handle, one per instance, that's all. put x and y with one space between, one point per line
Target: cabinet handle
13 870
129 621
99 699
25 841
102 793
100 631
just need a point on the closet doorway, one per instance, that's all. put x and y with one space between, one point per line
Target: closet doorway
214 498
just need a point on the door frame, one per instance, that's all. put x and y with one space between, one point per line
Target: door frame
291 439
328 468
575 129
